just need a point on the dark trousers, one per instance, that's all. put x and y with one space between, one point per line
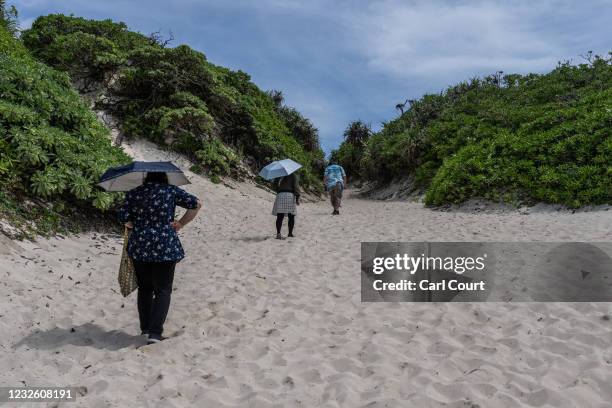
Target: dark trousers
335 194
154 291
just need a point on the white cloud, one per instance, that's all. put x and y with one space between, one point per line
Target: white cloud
404 39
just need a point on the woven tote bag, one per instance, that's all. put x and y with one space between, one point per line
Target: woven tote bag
127 274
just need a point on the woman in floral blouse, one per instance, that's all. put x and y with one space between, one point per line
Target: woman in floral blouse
154 245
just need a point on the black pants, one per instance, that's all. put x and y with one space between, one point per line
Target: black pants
154 291
279 222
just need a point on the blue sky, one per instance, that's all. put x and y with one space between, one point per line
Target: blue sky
338 61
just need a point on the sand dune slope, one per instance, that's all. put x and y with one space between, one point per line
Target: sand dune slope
259 322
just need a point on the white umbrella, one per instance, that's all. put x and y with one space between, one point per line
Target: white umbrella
279 168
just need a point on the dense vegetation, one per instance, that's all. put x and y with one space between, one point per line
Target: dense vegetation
51 145
350 152
176 98
504 137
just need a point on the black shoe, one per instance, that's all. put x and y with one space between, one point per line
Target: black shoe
279 236
290 235
155 338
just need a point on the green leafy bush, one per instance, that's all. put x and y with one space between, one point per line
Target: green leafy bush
217 157
175 96
51 144
534 137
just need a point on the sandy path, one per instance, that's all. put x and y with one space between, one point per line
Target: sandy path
261 322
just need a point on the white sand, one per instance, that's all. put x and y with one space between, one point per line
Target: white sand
259 322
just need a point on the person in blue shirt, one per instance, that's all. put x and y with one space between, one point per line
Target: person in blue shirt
154 245
335 181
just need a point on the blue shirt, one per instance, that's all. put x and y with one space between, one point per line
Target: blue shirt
150 208
334 174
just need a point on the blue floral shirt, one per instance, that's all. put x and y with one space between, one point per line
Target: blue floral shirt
151 208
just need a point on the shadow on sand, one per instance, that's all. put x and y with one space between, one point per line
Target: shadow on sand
85 335
259 238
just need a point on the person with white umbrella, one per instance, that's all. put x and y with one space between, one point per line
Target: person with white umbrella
287 192
154 246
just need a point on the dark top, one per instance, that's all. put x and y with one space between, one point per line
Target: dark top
288 184
150 208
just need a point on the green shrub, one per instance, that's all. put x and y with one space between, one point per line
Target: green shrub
217 158
535 137
175 96
51 144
